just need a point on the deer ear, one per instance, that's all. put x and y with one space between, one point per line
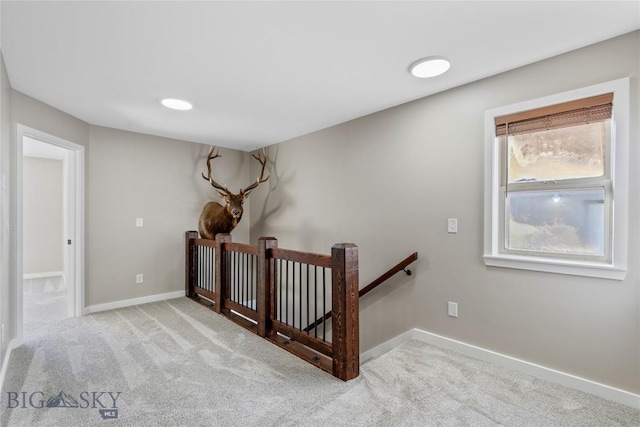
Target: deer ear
245 194
223 195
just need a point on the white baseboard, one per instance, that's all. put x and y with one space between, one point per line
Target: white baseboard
548 374
42 275
134 301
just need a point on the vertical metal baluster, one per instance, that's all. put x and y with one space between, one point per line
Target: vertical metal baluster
205 267
300 288
199 265
324 301
293 294
247 276
280 299
229 274
203 270
246 280
208 271
237 277
307 325
197 249
315 299
225 270
250 271
229 286
286 313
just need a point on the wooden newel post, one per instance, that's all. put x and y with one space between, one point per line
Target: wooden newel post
345 311
190 262
221 284
266 284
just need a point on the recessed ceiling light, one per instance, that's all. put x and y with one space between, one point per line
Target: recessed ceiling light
176 104
430 67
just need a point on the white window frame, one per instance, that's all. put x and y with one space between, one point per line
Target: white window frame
613 267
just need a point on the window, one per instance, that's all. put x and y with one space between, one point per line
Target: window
551 168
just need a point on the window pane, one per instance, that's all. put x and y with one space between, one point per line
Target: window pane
571 152
562 222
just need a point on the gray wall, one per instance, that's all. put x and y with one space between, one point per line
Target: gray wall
129 175
388 182
6 275
157 179
40 116
42 215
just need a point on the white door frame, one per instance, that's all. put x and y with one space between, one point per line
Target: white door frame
74 221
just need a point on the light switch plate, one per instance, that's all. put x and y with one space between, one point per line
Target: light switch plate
453 309
452 225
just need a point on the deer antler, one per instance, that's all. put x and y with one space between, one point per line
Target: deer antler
213 155
262 158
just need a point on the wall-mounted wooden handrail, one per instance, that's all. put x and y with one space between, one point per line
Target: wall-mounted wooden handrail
401 266
393 270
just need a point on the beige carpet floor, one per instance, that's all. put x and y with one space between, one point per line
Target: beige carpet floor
175 363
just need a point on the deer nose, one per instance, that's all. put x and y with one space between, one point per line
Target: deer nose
235 212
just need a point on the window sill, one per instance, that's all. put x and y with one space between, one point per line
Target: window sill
550 265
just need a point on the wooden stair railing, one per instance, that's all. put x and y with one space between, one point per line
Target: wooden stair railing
238 281
401 266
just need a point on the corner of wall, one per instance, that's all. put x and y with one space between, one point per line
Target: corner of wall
8 329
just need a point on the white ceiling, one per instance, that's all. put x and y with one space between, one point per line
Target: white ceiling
263 72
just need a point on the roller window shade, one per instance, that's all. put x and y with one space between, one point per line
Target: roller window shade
582 111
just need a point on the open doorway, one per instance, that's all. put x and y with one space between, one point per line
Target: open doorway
50 206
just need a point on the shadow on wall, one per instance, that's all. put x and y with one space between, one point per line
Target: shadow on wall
276 195
198 157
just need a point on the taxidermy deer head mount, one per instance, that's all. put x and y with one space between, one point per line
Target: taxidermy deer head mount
216 218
